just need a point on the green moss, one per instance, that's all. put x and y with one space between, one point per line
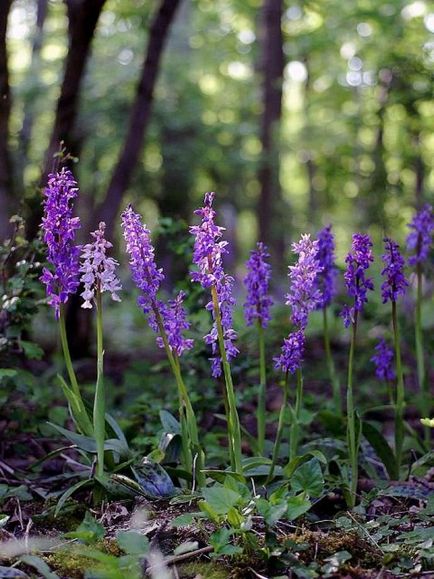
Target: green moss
70 563
210 570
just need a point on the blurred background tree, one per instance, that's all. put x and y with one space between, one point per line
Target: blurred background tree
296 113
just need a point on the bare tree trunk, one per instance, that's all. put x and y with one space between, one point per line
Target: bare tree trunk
419 168
26 128
376 198
272 70
139 116
83 17
5 108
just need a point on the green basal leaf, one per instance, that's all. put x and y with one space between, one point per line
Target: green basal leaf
382 448
169 422
297 506
153 479
221 499
308 478
40 565
133 543
67 494
88 531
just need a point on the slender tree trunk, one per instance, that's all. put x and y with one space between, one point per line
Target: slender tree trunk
376 197
139 116
5 108
419 168
272 70
26 128
83 17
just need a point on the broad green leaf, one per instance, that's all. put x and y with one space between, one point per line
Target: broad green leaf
382 448
186 519
271 513
169 422
153 479
133 543
116 429
297 506
7 373
40 565
221 499
221 475
67 494
291 467
88 531
308 478
31 350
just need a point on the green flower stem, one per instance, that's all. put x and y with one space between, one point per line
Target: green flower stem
280 426
261 410
420 360
331 365
353 449
295 424
99 401
187 417
234 430
400 392
83 420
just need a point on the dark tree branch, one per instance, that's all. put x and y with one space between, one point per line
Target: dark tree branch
272 70
139 116
5 108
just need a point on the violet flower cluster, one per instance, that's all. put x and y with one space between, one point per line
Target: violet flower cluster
358 261
419 239
258 301
303 297
174 323
383 361
395 282
59 227
98 270
207 256
148 277
291 356
326 278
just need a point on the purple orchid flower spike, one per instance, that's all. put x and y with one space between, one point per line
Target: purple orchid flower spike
326 278
258 302
420 238
395 283
59 227
98 270
358 261
207 256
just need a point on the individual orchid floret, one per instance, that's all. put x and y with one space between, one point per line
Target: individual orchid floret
59 229
207 256
395 283
420 238
257 280
304 295
383 361
98 271
326 278
292 353
358 261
